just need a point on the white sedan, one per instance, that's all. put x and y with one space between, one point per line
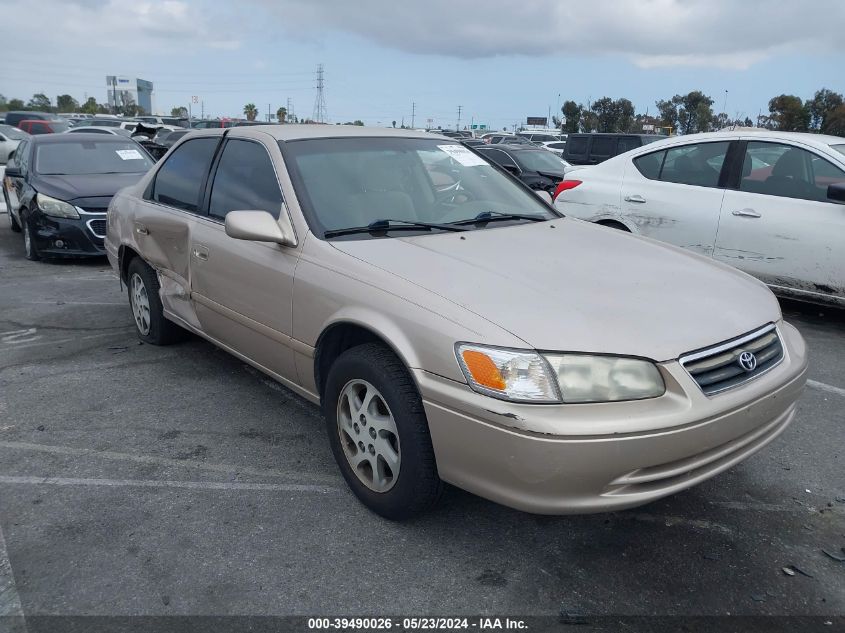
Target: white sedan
769 203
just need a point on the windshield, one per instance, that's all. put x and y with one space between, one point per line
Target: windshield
353 182
91 157
839 148
539 160
13 133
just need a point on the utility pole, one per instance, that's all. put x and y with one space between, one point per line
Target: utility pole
413 113
289 108
320 101
725 104
458 126
268 113
202 109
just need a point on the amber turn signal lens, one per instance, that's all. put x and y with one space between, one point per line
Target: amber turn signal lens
483 370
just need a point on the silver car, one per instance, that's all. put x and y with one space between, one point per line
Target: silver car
452 325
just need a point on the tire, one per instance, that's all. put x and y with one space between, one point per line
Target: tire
147 311
374 370
30 249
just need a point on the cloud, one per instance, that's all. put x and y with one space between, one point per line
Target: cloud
651 33
125 25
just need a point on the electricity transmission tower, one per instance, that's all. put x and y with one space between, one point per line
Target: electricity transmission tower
320 101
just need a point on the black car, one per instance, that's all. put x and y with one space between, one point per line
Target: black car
58 188
595 148
16 116
538 168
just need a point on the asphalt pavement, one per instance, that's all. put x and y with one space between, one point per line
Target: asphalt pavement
142 480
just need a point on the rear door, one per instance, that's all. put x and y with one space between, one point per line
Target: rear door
778 224
163 221
675 194
242 289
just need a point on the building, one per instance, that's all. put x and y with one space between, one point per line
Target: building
125 91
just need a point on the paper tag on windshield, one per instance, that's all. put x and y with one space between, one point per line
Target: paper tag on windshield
463 155
129 154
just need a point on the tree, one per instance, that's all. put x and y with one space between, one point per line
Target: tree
606 114
572 113
668 110
625 115
687 113
589 121
250 111
16 104
180 111
281 114
789 114
40 102
66 103
90 106
823 103
394 124
4 105
835 122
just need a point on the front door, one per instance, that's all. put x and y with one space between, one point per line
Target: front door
242 289
779 225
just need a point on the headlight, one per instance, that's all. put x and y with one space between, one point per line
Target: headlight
585 378
56 208
508 374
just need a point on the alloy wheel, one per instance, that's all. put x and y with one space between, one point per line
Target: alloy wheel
368 435
140 304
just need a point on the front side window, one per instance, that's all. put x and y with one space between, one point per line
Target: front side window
777 169
84 156
245 180
354 182
699 164
178 181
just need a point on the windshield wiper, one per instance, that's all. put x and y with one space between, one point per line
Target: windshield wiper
380 226
496 216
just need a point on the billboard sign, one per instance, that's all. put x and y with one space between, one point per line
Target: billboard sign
538 121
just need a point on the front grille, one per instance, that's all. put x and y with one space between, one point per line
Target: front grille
98 227
734 362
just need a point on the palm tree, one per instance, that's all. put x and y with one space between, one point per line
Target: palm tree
250 111
281 114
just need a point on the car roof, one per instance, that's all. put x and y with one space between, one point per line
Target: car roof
42 139
295 132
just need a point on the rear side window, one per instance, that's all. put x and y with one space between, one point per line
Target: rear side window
245 180
603 146
627 143
499 157
649 164
577 145
178 182
699 164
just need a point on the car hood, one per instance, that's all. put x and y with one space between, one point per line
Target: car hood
84 186
580 287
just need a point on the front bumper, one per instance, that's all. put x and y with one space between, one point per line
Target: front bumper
63 237
572 459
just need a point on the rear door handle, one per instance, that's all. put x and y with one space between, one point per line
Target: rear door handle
746 213
200 253
635 198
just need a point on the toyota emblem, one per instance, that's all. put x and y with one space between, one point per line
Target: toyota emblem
747 361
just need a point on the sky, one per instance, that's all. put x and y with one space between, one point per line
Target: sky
500 60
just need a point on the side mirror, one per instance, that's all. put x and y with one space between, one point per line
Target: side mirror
13 171
257 226
545 196
836 192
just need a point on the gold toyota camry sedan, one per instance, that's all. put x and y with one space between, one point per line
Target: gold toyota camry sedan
452 325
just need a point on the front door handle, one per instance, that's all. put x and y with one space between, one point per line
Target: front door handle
140 229
746 213
635 198
200 253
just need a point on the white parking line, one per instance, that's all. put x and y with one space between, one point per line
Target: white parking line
166 461
823 386
115 332
151 483
10 602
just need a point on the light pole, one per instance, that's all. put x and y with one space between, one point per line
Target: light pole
725 104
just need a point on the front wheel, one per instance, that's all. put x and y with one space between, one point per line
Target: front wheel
30 249
151 325
379 433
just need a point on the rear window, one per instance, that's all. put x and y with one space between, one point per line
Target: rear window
839 148
91 157
540 160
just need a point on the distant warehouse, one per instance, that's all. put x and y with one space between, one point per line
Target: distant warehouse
126 91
